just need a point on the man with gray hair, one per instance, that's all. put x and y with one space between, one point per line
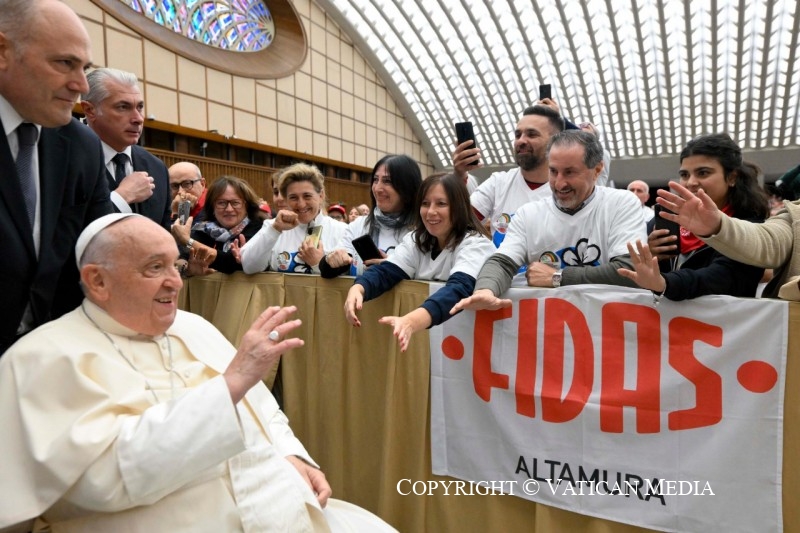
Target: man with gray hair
642 192
53 181
578 235
138 180
186 182
130 415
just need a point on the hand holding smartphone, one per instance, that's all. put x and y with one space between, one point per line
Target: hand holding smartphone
366 249
673 228
464 133
184 208
313 235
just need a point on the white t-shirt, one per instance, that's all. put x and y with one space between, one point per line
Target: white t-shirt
472 183
647 213
468 257
387 242
278 250
500 196
601 230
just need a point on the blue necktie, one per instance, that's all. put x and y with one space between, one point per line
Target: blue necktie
27 137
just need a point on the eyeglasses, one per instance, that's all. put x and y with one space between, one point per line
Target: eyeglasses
223 204
185 185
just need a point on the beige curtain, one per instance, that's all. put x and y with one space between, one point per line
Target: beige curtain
362 408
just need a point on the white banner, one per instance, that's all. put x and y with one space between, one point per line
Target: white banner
591 399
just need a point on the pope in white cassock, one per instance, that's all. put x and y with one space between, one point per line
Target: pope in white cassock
128 415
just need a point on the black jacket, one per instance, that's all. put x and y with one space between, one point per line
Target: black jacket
706 271
158 207
73 192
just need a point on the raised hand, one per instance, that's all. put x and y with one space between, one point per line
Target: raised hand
258 352
285 220
464 154
646 273
698 214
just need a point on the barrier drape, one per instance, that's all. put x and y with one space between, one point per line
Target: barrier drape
362 408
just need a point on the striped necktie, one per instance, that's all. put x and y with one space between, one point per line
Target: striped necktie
27 137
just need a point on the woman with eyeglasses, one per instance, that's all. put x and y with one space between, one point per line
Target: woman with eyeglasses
296 239
231 216
395 182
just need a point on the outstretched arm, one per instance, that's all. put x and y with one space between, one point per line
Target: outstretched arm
403 327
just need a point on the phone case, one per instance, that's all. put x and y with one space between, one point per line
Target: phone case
314 235
366 248
184 208
464 132
673 227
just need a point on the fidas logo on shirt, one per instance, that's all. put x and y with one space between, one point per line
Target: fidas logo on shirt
289 262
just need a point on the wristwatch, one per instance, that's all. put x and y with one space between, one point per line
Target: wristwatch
189 244
557 278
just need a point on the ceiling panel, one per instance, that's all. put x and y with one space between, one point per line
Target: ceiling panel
649 74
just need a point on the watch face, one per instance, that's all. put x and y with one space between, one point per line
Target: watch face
556 279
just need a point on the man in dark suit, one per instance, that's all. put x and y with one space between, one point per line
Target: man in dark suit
52 180
138 180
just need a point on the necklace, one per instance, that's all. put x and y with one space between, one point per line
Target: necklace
170 369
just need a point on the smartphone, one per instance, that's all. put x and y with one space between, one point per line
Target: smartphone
184 208
313 235
366 248
544 91
673 227
464 133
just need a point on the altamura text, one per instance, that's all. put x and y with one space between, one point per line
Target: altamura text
560 478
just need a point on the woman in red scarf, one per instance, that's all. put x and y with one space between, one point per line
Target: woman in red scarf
714 164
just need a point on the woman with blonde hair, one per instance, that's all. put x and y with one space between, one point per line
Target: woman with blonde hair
296 239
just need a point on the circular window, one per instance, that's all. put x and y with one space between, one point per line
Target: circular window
242 37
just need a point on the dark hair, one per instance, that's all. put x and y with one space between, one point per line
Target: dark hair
553 116
243 190
462 217
592 149
406 180
747 198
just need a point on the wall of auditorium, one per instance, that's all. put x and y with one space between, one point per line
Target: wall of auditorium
333 107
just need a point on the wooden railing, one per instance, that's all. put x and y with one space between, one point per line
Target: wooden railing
350 193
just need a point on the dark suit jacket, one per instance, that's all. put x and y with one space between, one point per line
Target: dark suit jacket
158 207
73 192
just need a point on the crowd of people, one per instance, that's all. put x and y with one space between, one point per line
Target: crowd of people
170 427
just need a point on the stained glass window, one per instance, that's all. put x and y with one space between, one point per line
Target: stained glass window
236 25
